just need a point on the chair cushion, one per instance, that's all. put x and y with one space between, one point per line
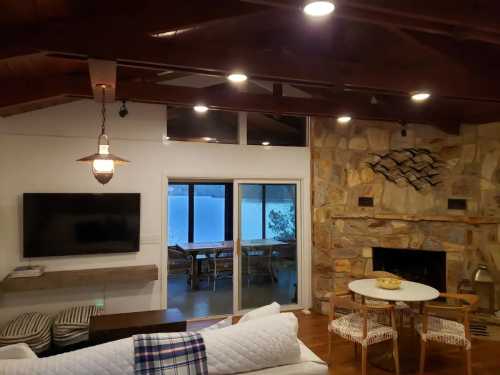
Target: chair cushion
31 328
350 327
444 331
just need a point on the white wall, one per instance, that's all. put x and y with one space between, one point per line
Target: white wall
38 152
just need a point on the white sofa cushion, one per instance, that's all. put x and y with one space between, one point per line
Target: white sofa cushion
256 344
271 309
220 324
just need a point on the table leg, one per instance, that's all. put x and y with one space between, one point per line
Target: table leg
194 272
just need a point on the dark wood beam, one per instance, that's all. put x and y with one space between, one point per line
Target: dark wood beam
224 100
443 80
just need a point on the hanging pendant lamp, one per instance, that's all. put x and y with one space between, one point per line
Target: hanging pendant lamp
103 163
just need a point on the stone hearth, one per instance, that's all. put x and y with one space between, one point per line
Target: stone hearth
344 233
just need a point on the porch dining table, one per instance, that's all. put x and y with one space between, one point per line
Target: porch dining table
409 292
193 249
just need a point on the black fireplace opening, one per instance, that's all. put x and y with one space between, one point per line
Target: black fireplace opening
426 267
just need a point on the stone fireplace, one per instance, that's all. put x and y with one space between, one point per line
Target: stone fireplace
427 267
357 211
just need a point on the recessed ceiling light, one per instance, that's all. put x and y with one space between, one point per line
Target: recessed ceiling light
237 77
420 96
200 108
266 143
209 139
344 119
319 8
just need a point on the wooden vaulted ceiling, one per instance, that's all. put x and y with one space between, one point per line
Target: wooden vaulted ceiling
364 59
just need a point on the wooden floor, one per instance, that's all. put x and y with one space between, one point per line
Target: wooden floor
442 359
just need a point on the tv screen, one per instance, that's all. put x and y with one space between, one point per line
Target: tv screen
71 224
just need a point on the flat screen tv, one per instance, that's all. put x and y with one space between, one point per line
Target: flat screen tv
71 224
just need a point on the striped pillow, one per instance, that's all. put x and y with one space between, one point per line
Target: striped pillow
72 325
31 328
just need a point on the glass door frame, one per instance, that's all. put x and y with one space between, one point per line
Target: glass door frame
237 243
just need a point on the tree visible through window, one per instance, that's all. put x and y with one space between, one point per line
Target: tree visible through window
269 211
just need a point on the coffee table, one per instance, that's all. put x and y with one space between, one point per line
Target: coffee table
105 328
381 355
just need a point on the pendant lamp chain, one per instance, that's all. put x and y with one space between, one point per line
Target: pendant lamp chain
103 111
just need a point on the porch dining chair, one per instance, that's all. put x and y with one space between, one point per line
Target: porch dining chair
361 327
451 332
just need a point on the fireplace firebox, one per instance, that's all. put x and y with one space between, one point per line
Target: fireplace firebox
427 267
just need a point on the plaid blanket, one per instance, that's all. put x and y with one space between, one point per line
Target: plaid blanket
181 353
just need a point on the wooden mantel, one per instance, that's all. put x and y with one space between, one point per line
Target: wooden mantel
81 278
472 220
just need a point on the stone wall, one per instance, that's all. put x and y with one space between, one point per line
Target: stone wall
402 217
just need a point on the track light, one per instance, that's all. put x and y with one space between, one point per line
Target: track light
344 119
237 77
200 108
123 112
404 132
420 96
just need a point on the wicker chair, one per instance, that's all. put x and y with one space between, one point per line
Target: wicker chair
360 326
432 328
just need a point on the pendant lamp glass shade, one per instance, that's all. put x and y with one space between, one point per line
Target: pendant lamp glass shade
103 162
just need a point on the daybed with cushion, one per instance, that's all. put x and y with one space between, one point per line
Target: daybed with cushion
261 344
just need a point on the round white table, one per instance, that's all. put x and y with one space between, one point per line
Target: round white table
381 355
408 292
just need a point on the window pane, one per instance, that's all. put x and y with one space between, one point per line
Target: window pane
275 129
184 124
178 214
251 210
280 212
209 213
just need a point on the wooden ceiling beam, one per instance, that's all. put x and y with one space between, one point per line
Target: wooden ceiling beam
224 100
301 69
272 66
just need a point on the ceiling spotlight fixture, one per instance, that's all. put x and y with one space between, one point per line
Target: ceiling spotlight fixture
266 143
123 112
209 139
103 163
404 131
200 108
318 8
344 119
420 96
237 77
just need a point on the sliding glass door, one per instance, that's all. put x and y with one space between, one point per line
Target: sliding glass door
267 245
200 248
233 245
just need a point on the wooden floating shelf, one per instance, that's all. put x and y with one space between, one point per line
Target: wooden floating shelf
81 278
